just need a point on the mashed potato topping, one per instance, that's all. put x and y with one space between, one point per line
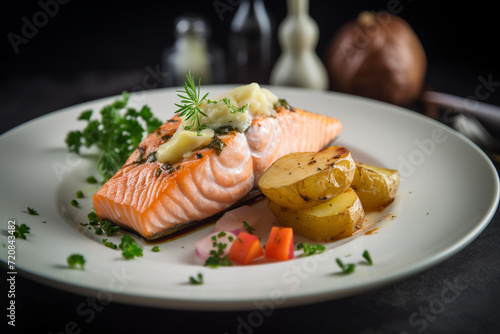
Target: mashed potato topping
254 101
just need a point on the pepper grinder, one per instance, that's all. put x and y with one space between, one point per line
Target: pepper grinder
299 65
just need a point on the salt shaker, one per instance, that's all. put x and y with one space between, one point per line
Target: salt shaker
192 52
299 65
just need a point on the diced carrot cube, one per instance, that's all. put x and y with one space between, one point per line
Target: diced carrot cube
280 243
246 248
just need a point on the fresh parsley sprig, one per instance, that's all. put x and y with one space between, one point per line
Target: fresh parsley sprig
190 107
117 134
32 211
20 231
129 247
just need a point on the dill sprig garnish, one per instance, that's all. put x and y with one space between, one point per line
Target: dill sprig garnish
191 102
190 108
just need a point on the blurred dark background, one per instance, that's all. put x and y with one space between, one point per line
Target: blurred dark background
92 49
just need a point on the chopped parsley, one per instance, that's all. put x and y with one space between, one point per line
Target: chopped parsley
248 228
196 281
32 211
310 249
109 244
283 103
109 228
152 157
117 134
346 268
75 203
75 260
223 130
232 108
156 249
368 257
21 231
217 144
79 194
101 226
129 247
91 180
217 257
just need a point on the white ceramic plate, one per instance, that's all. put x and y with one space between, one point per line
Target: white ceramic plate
448 194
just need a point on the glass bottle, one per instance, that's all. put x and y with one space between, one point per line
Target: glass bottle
250 43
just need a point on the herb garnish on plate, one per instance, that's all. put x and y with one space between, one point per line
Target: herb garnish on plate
117 134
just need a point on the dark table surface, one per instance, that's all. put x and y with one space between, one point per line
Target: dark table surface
56 70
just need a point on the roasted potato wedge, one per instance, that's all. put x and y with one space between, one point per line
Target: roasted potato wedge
375 186
337 218
305 179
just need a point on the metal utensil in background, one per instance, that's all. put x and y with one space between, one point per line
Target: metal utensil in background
487 113
469 126
465 116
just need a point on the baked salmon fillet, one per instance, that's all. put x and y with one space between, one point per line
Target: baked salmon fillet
156 198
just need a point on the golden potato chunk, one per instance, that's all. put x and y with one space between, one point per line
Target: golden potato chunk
301 180
375 186
337 218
